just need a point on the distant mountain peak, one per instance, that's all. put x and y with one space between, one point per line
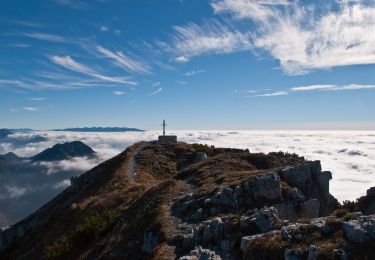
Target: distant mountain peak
9 157
64 151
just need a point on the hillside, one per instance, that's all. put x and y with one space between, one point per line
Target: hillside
178 200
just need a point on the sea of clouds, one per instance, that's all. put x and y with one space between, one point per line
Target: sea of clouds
349 155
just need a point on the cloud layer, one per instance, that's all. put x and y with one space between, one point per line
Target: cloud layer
350 155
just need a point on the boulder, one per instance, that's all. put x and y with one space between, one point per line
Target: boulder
200 253
295 194
367 203
265 186
360 230
286 210
200 156
265 219
314 184
310 208
213 230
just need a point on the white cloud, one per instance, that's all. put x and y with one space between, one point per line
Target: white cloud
181 82
181 59
62 184
194 72
156 84
156 91
312 87
124 61
30 109
118 93
38 99
13 192
45 37
332 87
69 63
81 164
273 94
306 37
104 28
210 38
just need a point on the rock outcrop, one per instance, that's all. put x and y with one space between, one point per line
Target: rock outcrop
367 203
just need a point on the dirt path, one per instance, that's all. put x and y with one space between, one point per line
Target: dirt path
130 171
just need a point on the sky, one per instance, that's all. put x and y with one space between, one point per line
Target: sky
199 64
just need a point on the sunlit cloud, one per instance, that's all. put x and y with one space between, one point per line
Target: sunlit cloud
304 38
211 37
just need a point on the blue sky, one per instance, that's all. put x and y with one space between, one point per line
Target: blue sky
220 64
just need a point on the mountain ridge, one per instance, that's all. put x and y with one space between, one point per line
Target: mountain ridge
166 200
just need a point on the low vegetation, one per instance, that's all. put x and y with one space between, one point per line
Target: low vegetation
91 228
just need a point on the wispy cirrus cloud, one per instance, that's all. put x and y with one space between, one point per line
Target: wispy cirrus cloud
30 109
156 92
211 37
313 88
69 63
38 99
156 84
45 36
332 87
194 72
118 93
307 37
124 61
74 4
272 94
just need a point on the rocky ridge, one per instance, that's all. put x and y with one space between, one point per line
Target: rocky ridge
167 201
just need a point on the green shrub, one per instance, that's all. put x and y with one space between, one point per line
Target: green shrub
350 206
204 148
91 228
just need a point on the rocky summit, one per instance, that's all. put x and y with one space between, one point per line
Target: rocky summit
191 201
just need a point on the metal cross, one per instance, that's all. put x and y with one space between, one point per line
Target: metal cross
164 124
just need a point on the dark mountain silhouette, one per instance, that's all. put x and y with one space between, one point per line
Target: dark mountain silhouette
9 157
101 129
64 152
177 200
